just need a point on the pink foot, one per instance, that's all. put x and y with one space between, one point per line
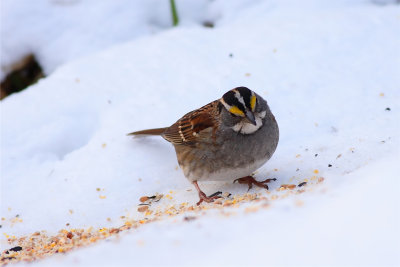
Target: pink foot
249 180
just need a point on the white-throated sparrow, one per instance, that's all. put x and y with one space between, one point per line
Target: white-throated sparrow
227 139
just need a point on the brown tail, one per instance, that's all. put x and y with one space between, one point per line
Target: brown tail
157 131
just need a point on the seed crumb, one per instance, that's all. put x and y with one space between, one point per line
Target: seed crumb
143 208
144 199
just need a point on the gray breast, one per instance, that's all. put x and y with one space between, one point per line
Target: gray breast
243 153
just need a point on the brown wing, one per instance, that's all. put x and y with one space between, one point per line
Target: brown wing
195 126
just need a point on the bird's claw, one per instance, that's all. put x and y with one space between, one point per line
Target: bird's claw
249 180
209 198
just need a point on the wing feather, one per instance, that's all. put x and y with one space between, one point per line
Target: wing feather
191 127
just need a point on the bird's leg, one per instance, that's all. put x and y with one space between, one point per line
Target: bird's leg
203 196
249 180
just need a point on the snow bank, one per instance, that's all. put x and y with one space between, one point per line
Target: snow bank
58 31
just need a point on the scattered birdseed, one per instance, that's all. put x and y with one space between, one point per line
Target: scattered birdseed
143 208
388 109
321 179
8 258
158 197
143 199
329 165
316 171
316 155
17 248
39 245
287 186
338 156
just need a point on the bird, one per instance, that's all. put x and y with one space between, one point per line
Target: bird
225 140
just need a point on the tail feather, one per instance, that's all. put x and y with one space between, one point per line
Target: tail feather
157 131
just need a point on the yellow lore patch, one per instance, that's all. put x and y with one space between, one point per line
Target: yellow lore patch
235 110
253 102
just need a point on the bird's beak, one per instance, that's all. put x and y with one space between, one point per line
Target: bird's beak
250 117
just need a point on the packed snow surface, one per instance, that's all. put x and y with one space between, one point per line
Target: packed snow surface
330 71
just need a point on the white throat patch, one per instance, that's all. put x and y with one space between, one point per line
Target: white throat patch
245 127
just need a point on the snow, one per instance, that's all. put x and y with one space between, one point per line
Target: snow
329 70
62 30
